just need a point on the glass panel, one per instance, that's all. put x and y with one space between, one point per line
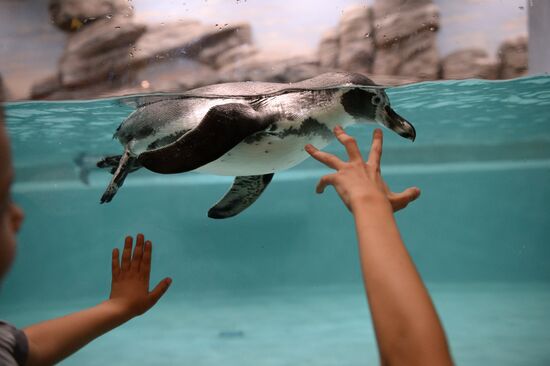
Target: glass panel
280 282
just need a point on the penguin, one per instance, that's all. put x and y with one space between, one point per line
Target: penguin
249 130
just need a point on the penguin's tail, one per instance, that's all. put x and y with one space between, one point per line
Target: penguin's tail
126 164
83 168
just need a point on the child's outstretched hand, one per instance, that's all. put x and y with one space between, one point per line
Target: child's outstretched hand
356 181
130 283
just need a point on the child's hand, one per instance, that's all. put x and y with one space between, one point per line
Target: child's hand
130 283
356 181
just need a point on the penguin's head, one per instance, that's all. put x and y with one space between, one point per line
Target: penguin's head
373 105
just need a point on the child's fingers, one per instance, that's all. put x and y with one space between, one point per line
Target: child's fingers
145 267
159 290
115 264
349 143
324 182
401 200
376 149
325 158
138 253
126 253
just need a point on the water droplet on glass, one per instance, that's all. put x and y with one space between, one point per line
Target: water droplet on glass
432 29
109 16
367 35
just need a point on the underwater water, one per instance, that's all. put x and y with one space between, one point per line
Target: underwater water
280 283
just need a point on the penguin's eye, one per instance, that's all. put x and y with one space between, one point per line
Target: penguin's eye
376 100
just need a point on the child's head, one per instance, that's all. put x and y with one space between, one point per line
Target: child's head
11 216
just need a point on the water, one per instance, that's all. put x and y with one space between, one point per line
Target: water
280 284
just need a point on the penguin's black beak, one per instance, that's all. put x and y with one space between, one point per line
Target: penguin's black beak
396 123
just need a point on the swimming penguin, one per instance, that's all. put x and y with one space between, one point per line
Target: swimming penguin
244 129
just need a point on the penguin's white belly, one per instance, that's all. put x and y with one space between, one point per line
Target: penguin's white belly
266 156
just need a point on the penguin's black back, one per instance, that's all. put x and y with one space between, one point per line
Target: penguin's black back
258 89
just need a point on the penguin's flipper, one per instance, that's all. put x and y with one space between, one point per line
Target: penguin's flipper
244 192
221 129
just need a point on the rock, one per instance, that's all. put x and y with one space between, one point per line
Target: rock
169 40
385 8
71 15
104 35
218 43
76 71
356 41
96 90
395 37
175 75
405 38
390 28
98 50
192 40
513 58
87 61
266 67
46 87
329 48
469 63
413 56
236 54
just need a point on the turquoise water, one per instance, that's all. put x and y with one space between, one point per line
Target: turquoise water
280 284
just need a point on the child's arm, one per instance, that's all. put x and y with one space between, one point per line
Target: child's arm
53 340
407 327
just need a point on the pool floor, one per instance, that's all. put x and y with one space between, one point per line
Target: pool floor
487 324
